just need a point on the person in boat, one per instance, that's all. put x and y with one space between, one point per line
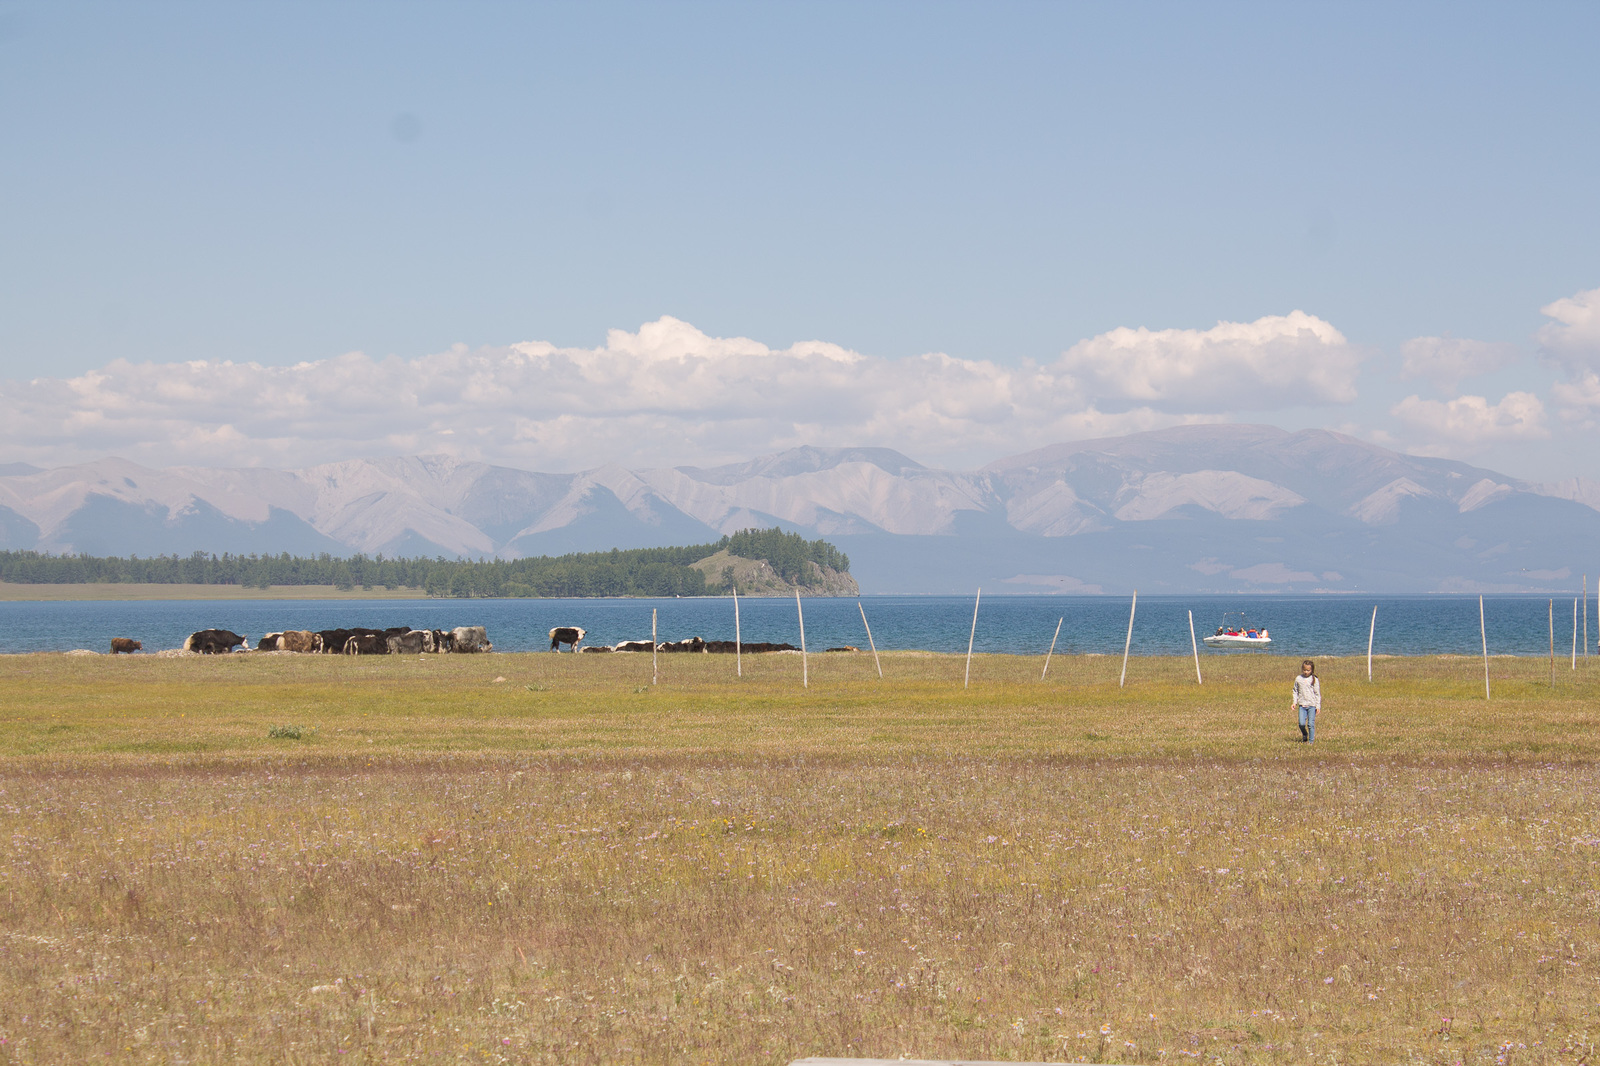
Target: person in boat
1307 700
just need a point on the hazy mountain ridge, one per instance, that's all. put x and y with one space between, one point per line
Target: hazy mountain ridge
1191 508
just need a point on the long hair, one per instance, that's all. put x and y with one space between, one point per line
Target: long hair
1308 662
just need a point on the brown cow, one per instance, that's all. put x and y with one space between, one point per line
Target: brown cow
125 646
302 640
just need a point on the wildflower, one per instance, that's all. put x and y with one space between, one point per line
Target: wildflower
1105 1030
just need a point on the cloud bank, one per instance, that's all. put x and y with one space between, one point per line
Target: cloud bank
1572 341
1469 423
670 394
1279 361
1447 361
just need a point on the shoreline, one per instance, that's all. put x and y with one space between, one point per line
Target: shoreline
130 592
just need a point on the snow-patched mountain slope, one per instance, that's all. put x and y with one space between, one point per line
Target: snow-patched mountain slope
848 491
49 497
1326 469
1218 506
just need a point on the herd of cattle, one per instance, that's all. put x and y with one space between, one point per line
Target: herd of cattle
399 640
403 640
572 636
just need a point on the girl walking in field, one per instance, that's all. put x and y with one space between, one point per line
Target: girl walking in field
1308 700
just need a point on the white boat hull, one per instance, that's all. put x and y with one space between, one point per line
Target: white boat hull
1235 642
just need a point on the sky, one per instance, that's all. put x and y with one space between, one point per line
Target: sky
558 236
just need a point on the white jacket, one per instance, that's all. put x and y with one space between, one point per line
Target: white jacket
1307 693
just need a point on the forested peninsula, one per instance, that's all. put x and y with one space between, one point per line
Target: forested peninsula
756 562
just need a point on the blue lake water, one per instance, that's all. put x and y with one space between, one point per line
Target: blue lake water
1311 626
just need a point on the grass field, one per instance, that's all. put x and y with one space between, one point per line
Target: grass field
108 590
539 858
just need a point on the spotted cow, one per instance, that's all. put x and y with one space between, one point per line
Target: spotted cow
568 635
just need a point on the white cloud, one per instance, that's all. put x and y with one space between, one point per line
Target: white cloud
1470 424
666 394
1572 341
1446 361
1280 361
1579 400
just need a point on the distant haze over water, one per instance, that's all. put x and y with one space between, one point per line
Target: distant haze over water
1300 627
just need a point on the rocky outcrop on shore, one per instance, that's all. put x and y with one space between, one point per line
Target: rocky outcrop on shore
756 577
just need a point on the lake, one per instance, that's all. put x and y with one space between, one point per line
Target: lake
1300 627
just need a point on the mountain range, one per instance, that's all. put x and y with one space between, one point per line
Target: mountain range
1189 509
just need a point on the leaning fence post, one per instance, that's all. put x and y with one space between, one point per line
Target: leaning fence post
1194 646
1052 650
971 636
1483 633
1128 644
805 673
870 643
1372 631
738 647
655 672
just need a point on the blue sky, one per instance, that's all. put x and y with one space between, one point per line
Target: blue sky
282 184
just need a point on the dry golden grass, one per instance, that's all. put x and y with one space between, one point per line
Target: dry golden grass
560 868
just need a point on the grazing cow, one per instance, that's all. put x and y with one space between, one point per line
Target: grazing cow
633 645
125 646
214 641
470 639
268 642
407 643
570 635
301 640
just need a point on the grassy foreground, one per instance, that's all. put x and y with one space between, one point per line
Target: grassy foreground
570 865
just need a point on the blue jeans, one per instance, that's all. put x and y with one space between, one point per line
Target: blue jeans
1308 722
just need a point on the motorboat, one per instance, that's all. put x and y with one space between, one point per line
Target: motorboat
1237 632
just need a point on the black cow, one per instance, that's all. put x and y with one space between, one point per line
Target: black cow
633 645
411 642
214 641
368 643
333 640
569 635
